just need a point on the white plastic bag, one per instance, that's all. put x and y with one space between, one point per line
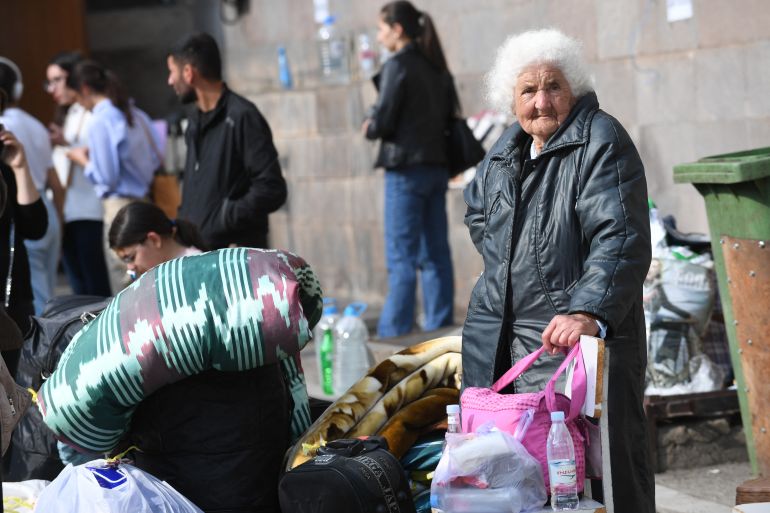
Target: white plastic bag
101 487
487 471
21 496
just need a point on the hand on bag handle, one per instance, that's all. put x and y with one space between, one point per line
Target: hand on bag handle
578 380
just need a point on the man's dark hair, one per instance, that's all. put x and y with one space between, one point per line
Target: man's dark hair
8 79
201 52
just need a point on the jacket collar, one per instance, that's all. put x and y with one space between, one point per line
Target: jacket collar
408 48
574 131
216 113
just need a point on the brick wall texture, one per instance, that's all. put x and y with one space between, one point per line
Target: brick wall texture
683 90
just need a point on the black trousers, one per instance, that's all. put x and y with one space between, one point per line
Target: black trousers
218 438
83 258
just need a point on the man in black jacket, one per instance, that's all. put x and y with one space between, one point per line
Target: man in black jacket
232 178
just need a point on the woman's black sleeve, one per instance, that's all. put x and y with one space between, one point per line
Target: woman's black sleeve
31 220
386 111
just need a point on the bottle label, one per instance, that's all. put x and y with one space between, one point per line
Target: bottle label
327 349
562 473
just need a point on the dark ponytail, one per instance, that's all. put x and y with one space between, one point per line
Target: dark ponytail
103 81
418 26
134 221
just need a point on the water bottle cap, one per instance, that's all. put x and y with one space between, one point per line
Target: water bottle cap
557 416
452 408
355 309
330 306
329 20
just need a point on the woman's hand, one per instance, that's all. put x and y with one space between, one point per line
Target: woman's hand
365 125
56 133
565 330
13 155
13 151
79 156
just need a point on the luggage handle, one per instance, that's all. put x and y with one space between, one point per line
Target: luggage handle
352 447
578 379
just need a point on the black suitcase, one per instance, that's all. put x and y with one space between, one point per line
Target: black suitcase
348 476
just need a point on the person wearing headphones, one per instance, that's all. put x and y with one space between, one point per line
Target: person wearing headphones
43 253
23 218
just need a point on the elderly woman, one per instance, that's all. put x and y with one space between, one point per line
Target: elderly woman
558 212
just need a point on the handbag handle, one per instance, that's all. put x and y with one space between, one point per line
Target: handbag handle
517 370
578 379
578 384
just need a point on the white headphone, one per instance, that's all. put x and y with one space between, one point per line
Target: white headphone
18 86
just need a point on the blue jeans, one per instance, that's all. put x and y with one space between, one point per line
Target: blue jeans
43 255
416 238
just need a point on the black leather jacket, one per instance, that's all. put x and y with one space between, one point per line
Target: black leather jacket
572 236
232 178
413 109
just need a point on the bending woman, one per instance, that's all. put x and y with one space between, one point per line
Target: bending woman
183 453
142 237
415 104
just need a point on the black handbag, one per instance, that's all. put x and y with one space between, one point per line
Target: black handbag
348 476
464 150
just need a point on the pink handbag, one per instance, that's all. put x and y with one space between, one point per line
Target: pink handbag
482 405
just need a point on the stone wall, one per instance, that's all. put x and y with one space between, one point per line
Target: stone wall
683 90
134 42
699 444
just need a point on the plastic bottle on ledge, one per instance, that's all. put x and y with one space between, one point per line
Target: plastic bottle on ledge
562 471
323 336
352 357
284 73
367 56
333 53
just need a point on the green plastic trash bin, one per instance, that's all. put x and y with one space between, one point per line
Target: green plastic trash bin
736 188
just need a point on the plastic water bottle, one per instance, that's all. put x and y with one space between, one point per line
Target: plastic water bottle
284 73
367 57
453 418
562 471
323 334
352 357
333 52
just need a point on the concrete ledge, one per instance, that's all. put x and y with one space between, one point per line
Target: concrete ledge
668 500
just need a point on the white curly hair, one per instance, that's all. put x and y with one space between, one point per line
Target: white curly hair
535 47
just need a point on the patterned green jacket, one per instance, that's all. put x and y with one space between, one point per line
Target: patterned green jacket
230 310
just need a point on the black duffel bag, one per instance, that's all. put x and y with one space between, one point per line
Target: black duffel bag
348 476
33 453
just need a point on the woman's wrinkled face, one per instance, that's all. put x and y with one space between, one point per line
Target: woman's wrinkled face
56 85
542 100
